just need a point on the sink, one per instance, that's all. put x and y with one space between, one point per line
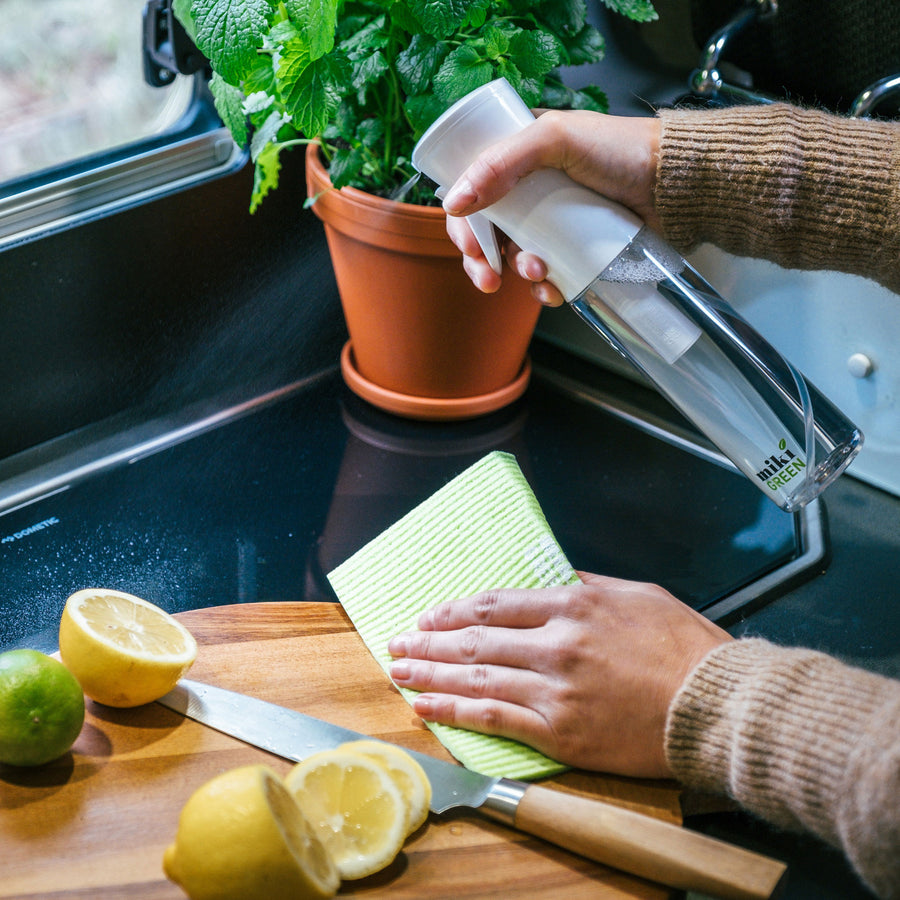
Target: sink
261 500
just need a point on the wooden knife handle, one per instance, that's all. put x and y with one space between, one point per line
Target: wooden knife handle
647 847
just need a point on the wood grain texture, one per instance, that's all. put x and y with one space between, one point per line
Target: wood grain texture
94 824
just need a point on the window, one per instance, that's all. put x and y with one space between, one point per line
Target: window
71 82
81 130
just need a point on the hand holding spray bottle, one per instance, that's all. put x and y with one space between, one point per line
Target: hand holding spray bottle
639 294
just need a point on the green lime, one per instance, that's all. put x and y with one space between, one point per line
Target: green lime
41 708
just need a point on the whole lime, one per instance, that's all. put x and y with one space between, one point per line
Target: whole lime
41 708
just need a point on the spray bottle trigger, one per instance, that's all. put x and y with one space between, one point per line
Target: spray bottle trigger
483 229
484 232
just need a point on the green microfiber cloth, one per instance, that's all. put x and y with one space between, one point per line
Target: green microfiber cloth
484 529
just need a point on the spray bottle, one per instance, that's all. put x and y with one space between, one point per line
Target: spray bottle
639 294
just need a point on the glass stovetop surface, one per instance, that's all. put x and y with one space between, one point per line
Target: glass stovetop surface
263 506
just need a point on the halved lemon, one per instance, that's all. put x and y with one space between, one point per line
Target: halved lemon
355 806
123 650
408 775
241 836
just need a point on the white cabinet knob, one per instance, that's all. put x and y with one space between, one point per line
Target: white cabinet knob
860 366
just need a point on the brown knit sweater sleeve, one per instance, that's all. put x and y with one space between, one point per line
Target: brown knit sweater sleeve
801 740
802 188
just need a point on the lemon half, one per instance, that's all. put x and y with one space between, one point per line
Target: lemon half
354 804
123 650
241 836
408 775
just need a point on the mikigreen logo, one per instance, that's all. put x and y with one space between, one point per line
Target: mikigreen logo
781 467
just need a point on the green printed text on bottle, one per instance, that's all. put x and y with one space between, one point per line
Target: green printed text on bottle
780 468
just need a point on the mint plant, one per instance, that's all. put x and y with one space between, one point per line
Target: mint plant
367 77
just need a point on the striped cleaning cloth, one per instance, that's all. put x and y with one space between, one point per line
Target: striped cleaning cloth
484 529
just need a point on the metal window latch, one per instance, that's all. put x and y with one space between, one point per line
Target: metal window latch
706 81
168 50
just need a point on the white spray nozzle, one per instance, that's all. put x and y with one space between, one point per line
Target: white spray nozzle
575 231
486 236
484 233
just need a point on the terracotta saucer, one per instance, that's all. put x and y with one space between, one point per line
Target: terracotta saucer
437 409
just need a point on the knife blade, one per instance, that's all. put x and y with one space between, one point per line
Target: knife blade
608 834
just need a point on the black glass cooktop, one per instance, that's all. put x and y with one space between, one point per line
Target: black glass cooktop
262 506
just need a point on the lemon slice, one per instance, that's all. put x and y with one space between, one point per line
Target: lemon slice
356 807
123 650
408 775
241 836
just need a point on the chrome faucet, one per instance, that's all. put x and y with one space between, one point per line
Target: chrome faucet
706 80
873 95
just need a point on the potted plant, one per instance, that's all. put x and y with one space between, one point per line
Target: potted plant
358 82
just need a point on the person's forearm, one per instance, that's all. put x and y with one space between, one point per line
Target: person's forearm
800 740
802 188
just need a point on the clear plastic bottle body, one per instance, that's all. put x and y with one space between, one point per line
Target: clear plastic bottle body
657 311
715 368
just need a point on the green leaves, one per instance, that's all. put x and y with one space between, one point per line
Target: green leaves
464 70
182 10
418 63
439 18
310 90
535 53
524 56
364 49
588 46
316 21
229 103
265 176
229 32
638 10
565 17
369 76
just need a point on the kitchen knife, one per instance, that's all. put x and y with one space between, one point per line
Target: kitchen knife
603 832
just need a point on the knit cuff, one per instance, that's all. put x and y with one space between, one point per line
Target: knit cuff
771 727
802 188
799 739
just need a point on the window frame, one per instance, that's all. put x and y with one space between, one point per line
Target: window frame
194 149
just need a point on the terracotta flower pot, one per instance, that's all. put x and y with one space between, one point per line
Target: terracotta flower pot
424 342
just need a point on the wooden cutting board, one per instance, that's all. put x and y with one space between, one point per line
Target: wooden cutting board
95 823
